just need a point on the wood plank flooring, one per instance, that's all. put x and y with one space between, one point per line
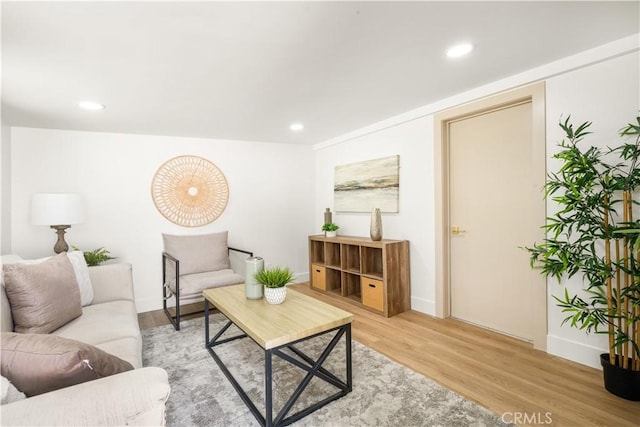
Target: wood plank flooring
505 375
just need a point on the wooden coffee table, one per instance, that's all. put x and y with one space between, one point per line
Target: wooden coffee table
276 328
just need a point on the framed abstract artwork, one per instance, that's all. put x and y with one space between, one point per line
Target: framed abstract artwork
362 186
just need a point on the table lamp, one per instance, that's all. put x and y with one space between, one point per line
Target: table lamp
59 211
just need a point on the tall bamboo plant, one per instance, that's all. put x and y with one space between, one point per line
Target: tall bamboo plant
593 234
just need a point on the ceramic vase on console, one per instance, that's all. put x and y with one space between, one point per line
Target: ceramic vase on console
275 295
327 216
376 225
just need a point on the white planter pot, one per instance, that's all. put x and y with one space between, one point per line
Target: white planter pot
331 233
275 295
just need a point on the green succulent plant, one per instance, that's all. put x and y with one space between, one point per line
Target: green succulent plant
274 277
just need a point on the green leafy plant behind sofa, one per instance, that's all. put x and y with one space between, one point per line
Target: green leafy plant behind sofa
96 256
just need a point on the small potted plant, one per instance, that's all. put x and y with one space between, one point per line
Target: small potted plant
330 229
96 256
274 280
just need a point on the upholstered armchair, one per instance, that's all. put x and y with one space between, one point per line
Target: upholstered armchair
191 264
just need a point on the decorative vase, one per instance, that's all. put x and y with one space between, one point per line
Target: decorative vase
253 289
275 295
622 382
376 225
327 216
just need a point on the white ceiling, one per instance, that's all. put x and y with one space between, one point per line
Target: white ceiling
244 70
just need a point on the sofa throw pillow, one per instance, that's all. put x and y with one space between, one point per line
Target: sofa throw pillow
8 259
42 296
39 363
9 392
199 253
81 270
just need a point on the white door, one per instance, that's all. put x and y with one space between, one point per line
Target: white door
492 216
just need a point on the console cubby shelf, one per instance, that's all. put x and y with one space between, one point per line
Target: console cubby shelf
374 275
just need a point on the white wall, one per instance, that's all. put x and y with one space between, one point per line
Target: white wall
5 189
5 178
608 95
270 209
600 85
415 220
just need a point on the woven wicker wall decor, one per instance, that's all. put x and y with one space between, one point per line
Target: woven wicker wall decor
190 191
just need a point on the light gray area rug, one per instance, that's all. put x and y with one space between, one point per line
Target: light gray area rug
385 393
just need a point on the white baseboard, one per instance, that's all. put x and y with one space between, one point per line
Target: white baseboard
423 305
574 351
301 277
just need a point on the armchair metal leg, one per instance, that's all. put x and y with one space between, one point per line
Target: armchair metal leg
175 320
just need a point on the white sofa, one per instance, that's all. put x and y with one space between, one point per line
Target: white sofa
110 323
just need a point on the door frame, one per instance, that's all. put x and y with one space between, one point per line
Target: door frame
535 93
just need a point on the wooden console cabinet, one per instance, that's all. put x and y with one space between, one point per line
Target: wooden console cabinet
374 275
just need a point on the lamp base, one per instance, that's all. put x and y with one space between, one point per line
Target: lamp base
61 245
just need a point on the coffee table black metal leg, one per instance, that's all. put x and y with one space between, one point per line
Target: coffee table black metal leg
206 322
268 384
349 366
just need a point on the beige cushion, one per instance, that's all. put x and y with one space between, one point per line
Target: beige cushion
112 282
193 284
199 253
110 326
39 363
42 296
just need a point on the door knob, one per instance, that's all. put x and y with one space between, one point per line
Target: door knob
456 230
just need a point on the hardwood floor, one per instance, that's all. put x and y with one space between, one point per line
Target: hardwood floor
151 319
505 375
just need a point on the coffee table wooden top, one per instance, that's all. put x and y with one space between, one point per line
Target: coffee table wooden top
300 316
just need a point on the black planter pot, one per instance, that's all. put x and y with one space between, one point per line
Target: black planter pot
622 382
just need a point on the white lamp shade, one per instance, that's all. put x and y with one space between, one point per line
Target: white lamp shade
57 209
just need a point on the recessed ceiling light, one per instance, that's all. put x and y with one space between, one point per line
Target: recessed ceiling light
296 127
88 105
459 50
